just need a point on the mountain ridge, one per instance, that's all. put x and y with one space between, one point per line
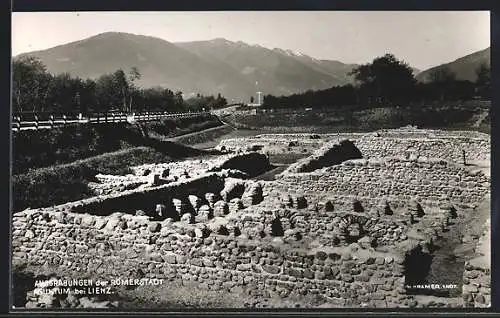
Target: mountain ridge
464 67
237 70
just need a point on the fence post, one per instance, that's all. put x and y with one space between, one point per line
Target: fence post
36 122
51 121
17 120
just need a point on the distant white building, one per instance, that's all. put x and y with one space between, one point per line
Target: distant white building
259 100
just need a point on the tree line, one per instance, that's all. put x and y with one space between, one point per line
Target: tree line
387 81
36 90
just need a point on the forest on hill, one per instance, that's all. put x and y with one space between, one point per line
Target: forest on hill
36 90
388 81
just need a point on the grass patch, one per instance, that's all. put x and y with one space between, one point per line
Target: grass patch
177 127
69 182
204 136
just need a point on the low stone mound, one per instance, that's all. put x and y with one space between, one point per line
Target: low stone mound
252 163
221 208
253 195
329 155
205 213
233 188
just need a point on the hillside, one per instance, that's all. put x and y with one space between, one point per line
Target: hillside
206 67
160 62
464 67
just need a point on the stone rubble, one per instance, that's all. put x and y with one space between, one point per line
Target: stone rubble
339 233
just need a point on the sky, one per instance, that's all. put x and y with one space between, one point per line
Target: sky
421 38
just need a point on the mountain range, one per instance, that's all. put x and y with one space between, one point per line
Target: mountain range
464 67
237 70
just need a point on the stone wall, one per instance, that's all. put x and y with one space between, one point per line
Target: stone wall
284 143
80 248
311 223
147 199
197 167
405 141
152 175
476 149
476 289
398 180
192 167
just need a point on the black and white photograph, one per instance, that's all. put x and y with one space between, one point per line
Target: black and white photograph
179 160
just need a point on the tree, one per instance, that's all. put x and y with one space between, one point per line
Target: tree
134 75
220 101
62 93
29 84
251 99
108 94
443 79
178 100
200 102
120 80
88 97
442 75
37 90
385 80
483 82
117 89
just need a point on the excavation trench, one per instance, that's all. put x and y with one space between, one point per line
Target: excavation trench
446 263
148 200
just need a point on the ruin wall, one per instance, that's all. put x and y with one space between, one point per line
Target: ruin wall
97 247
476 149
146 199
435 182
476 289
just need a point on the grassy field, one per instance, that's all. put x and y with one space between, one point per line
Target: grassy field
450 116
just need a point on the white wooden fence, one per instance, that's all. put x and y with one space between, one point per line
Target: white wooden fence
35 123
